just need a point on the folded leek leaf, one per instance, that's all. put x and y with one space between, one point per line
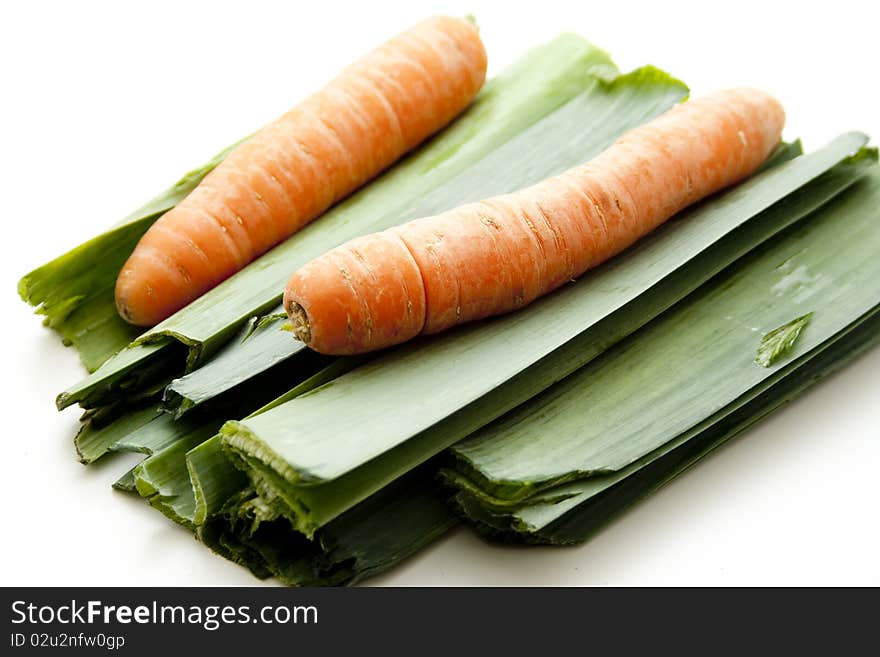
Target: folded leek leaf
75 291
586 518
189 488
317 455
554 144
589 504
92 443
144 427
158 478
214 478
254 352
193 483
531 88
210 476
126 482
371 537
595 431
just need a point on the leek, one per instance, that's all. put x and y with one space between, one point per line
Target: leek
75 291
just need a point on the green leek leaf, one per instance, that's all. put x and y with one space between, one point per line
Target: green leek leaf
75 291
591 514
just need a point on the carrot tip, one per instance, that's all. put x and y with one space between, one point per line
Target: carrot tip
299 322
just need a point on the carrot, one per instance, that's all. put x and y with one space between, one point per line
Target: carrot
500 254
286 175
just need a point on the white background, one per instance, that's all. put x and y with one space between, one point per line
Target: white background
105 104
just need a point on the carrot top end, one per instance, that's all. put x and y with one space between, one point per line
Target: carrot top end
299 322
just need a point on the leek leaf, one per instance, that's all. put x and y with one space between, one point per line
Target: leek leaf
371 537
75 291
590 515
187 476
590 503
126 482
205 493
92 443
158 478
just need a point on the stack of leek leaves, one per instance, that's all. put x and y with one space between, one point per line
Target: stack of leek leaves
332 474
560 465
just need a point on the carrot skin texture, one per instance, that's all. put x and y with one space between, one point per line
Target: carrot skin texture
392 311
378 109
497 255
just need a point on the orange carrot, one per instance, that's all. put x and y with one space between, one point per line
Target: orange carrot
500 254
286 175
